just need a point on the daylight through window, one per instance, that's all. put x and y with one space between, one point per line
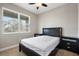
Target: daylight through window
15 22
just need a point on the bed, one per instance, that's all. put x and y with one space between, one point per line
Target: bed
42 45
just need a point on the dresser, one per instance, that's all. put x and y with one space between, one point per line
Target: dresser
69 43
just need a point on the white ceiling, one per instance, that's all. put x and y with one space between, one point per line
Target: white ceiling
32 8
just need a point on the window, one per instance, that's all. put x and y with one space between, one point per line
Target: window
14 22
24 23
10 21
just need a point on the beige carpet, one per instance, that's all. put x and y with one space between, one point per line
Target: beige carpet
15 52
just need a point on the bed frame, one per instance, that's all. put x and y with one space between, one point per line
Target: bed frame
57 32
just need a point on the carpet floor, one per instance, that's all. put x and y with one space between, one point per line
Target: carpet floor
15 52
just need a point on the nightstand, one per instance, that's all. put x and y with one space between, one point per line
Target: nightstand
36 34
71 44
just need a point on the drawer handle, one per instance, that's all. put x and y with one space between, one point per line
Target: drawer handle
68 47
68 43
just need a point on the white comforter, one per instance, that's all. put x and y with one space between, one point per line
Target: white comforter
43 45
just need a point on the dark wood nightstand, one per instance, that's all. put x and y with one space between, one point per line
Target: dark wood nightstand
36 34
71 44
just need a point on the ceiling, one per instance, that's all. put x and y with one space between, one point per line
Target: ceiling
32 8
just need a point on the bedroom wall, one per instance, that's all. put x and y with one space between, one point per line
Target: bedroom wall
65 16
7 40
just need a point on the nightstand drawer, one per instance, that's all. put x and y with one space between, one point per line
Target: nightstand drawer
71 48
68 47
70 44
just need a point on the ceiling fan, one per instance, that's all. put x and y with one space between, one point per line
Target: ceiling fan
38 5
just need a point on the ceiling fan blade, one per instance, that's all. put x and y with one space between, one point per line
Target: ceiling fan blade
31 3
43 4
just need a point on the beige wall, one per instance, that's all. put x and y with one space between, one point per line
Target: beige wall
65 16
7 40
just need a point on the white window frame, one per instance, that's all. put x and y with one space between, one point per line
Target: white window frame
18 13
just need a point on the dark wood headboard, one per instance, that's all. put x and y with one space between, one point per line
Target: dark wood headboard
57 31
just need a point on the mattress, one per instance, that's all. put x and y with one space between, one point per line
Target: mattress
43 45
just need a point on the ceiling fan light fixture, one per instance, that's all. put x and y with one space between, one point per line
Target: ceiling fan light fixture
38 5
37 8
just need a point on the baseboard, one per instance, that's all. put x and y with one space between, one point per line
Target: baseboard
6 48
